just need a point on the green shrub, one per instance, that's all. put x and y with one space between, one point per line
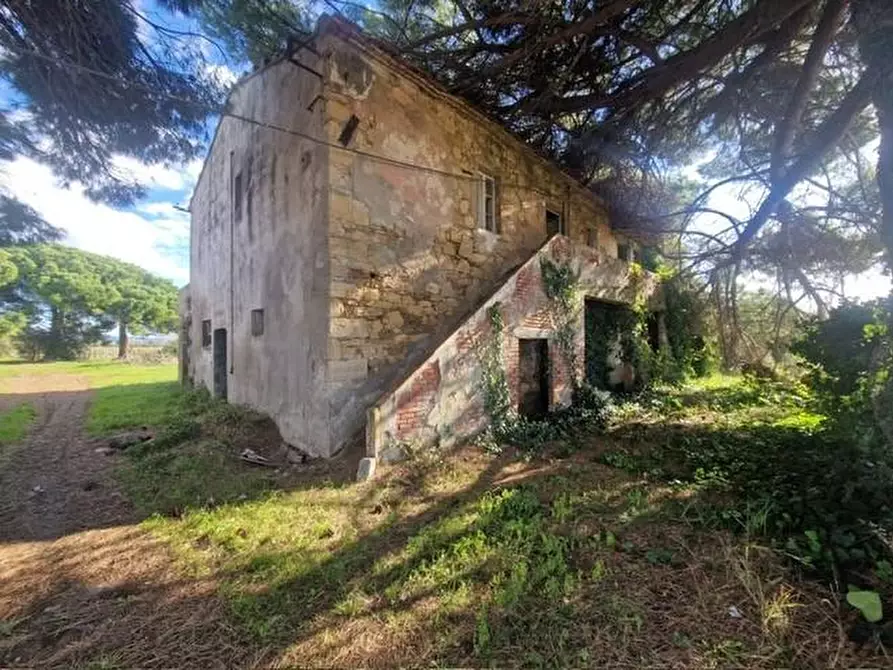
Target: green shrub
589 410
839 349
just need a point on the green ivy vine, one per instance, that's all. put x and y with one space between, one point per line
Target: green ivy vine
590 409
494 384
561 283
562 286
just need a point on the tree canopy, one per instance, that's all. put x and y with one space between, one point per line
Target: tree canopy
99 78
785 101
57 300
93 80
781 102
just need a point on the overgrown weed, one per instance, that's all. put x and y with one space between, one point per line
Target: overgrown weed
486 559
14 424
760 461
193 460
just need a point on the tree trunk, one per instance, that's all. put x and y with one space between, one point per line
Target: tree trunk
53 347
874 25
56 322
123 339
883 103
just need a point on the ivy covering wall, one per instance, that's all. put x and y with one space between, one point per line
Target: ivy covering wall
607 324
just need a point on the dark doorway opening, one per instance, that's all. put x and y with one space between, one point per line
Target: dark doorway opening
533 378
553 223
654 331
220 363
184 356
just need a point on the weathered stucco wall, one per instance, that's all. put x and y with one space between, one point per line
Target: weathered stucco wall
407 255
442 400
273 256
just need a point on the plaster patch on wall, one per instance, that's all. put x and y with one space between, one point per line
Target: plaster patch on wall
349 71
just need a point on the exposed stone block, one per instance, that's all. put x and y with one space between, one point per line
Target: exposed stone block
394 320
349 328
343 371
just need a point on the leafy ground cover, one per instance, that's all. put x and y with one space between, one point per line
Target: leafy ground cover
643 544
755 456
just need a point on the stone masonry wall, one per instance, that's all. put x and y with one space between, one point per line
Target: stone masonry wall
407 255
442 402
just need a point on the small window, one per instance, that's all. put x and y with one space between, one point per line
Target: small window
592 237
554 223
237 197
206 333
487 204
623 252
257 322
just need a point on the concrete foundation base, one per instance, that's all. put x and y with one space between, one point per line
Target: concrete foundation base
366 469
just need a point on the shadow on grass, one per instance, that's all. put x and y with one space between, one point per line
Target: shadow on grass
510 569
109 599
549 563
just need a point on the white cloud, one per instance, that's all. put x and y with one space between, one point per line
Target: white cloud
155 236
159 208
222 74
156 174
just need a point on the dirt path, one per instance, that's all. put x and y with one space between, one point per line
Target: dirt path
56 483
80 582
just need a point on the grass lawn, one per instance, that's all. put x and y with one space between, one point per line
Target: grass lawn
14 423
125 395
134 404
101 373
613 555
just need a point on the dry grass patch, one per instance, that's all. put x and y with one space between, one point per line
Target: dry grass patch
111 598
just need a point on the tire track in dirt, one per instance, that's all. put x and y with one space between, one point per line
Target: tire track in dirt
56 483
80 582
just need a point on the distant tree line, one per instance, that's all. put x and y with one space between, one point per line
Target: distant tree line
55 301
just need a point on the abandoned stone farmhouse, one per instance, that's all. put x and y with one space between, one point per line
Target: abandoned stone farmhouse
358 236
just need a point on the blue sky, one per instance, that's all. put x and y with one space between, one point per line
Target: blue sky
152 234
